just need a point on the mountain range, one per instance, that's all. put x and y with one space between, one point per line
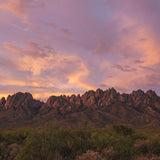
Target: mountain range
99 108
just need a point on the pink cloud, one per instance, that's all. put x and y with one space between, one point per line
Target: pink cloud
11 47
80 44
20 7
66 31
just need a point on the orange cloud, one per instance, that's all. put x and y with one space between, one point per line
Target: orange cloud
139 40
77 79
11 47
16 7
20 7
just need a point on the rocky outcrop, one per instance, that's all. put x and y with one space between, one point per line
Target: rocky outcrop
100 99
100 107
20 106
2 103
109 106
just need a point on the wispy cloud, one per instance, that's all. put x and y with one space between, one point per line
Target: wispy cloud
20 7
125 68
81 45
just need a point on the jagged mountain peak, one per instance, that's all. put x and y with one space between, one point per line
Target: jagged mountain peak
51 100
18 99
112 90
19 106
2 101
138 92
151 94
100 106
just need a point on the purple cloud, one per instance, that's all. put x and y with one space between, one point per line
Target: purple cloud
79 45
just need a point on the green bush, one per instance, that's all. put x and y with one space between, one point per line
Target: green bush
154 146
49 143
120 129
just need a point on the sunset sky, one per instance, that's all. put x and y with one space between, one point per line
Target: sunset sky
52 47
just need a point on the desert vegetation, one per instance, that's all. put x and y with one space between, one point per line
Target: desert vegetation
81 143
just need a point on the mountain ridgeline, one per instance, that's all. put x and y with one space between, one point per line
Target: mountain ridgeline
99 108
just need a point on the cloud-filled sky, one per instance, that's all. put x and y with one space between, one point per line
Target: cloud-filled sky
52 47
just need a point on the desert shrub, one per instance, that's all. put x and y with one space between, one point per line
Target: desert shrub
45 144
2 150
118 140
154 146
37 146
99 140
146 157
90 155
55 143
142 149
120 129
123 148
14 136
9 152
80 142
151 146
